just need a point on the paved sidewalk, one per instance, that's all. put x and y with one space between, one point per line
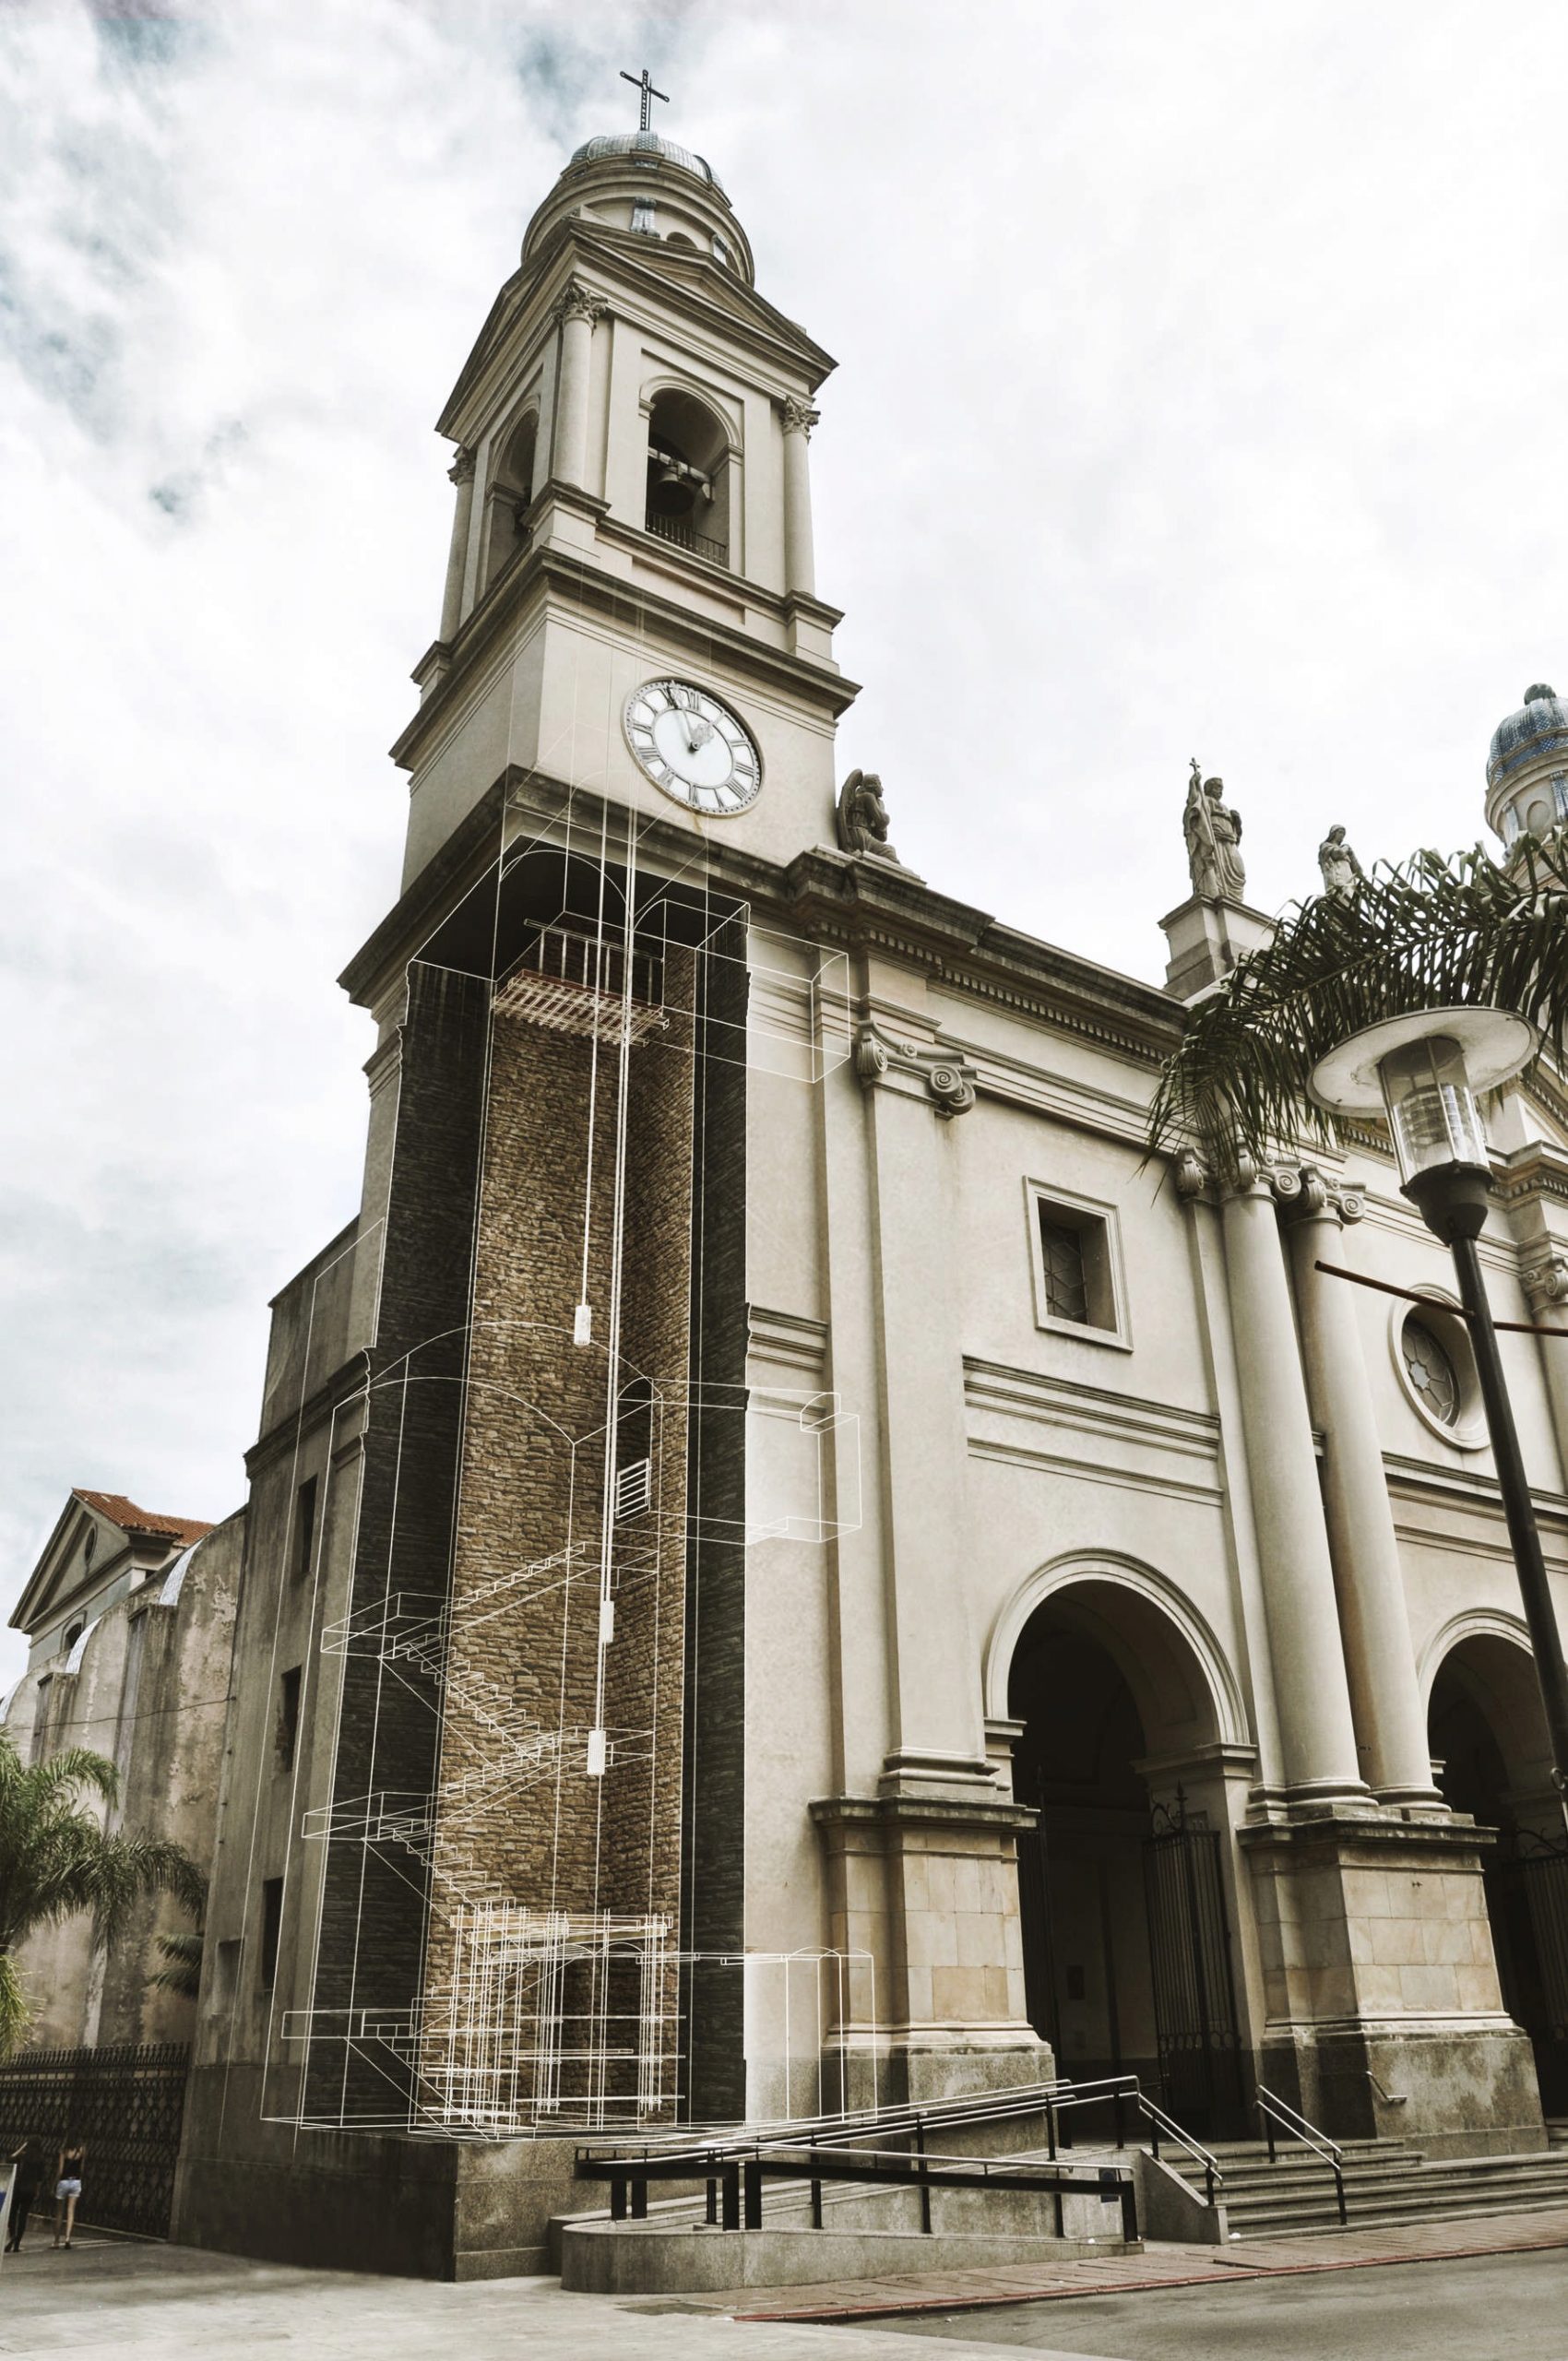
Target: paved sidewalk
110 2300
1157 2266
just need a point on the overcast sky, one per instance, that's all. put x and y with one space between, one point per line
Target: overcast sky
1201 391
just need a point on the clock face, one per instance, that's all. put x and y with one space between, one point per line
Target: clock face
693 747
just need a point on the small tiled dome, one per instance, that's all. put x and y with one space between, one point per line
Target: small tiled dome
1539 727
648 143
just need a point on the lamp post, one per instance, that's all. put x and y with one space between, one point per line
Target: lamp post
1423 1073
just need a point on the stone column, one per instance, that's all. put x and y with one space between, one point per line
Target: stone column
1379 1661
577 312
1317 1734
1544 1277
461 473
799 566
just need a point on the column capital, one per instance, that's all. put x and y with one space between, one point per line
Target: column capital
798 416
462 467
948 1081
577 302
1303 1193
1543 1275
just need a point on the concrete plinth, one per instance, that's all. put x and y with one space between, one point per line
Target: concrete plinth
1384 2010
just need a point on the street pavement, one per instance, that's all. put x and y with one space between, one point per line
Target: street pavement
1486 2307
1349 2297
110 2300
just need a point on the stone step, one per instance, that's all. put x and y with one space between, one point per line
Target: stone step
1294 2225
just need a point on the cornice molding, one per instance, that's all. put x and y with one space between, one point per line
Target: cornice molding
544 572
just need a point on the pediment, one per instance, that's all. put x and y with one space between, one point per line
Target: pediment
63 1568
696 285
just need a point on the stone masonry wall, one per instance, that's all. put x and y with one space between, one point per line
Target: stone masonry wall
520 1821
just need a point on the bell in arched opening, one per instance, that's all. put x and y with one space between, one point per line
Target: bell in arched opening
672 490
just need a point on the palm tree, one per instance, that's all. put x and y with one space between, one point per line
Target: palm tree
56 1860
1422 934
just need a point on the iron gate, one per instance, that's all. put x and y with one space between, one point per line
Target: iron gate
1195 1996
1526 1890
123 2105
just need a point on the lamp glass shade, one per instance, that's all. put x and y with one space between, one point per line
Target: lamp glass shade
1430 1106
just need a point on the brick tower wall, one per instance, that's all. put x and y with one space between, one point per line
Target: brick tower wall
519 1820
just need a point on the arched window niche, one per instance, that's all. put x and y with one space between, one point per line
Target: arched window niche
506 500
688 476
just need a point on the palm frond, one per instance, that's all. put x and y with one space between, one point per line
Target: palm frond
1427 932
15 2014
181 1971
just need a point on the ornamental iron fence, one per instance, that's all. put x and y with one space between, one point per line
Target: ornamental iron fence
123 2105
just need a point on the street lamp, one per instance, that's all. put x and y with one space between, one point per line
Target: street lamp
1423 1074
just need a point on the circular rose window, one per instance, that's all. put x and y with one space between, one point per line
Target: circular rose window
1430 1372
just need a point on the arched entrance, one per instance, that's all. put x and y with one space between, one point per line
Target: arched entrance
1122 1884
1489 1734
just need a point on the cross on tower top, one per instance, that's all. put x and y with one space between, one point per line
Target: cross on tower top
642 84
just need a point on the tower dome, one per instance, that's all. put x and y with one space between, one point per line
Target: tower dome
646 143
1526 768
637 182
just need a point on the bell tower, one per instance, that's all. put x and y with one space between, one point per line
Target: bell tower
634 506
531 1858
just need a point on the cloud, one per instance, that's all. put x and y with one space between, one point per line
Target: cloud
1199 394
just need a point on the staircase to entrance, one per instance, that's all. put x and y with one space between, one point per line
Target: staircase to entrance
1387 2183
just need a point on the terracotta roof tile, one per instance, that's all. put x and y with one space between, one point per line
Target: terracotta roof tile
122 1512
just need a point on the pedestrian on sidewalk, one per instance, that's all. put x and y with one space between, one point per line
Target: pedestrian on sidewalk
67 2188
28 2162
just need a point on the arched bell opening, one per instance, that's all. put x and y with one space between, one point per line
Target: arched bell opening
1488 1739
1123 1883
508 497
688 476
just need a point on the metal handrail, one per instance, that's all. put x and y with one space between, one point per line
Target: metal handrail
1276 2110
1051 2100
1213 2176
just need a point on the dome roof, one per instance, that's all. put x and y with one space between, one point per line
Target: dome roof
650 144
1539 727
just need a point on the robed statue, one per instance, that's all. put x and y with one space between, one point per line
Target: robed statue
862 818
1214 836
1342 873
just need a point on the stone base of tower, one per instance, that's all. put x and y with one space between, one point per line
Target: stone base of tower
924 1890
1385 2015
364 2201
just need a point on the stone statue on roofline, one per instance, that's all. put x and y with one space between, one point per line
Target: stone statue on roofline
1214 835
1342 873
863 819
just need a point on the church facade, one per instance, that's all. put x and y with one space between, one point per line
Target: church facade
809 1568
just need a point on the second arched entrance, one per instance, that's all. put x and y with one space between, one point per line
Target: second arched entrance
1488 1735
1123 1884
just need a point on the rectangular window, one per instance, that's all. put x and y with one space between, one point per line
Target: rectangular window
1076 1257
288 1718
271 1928
225 1977
304 1529
1066 1282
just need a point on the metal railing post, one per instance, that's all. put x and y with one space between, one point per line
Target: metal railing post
752 2175
711 2213
617 2197
639 2200
925 2188
730 2179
